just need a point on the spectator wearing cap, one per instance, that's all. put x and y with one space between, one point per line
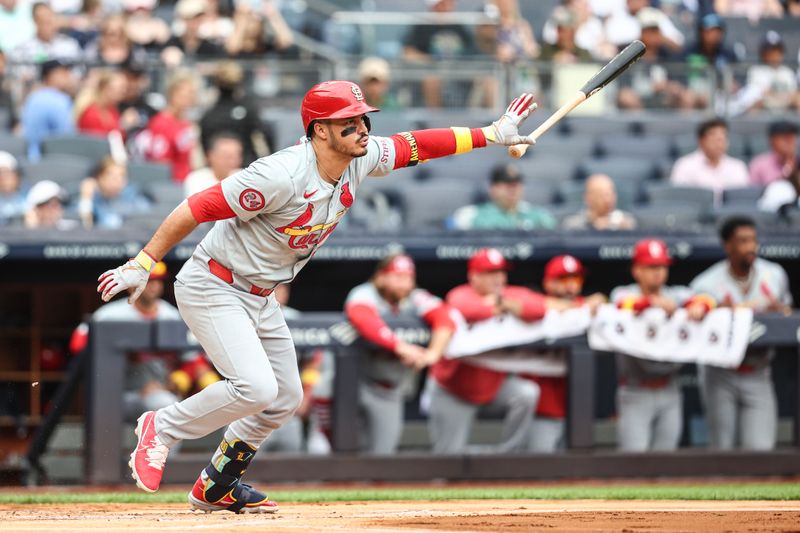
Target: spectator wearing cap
112 46
135 108
782 158
388 371
709 49
506 208
741 409
649 84
649 403
710 167
12 197
601 213
16 23
564 50
48 110
624 26
107 198
590 34
169 136
563 279
457 389
771 85
752 9
375 77
186 40
45 207
235 113
47 42
147 380
426 43
142 27
224 157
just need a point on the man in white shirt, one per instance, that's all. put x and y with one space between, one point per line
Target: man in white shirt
771 85
624 27
224 158
710 167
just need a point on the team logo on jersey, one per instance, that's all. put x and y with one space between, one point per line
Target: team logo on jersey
302 235
251 200
357 92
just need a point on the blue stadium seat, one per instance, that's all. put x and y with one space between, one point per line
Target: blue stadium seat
143 175
5 119
387 123
95 148
548 167
619 168
13 144
667 217
571 146
598 125
671 124
645 147
744 196
61 168
473 167
165 193
664 194
429 204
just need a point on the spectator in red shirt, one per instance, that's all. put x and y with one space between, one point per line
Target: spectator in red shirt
388 372
563 278
96 108
457 389
169 137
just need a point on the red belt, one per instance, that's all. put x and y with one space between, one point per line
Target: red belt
651 383
745 369
226 275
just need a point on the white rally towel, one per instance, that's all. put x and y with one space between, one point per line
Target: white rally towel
721 339
506 331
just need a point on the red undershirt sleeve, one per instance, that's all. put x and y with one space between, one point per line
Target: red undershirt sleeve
210 204
370 325
413 147
439 318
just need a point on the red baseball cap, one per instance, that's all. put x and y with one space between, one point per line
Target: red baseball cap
400 263
487 259
651 252
563 265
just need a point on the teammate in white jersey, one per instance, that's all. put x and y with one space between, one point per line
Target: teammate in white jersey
740 403
272 217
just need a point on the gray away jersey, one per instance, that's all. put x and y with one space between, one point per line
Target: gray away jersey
768 278
285 211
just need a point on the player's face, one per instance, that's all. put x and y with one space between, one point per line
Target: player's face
742 247
396 286
567 287
349 136
490 282
650 277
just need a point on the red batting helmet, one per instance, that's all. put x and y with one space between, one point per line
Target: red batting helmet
333 99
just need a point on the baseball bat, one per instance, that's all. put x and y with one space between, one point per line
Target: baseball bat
604 76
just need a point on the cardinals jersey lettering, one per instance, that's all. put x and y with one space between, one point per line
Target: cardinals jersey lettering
285 211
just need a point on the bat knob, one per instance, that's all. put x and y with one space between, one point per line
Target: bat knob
518 150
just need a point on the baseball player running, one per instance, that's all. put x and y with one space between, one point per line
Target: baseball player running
272 217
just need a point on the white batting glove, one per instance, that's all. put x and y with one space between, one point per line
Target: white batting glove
505 130
132 275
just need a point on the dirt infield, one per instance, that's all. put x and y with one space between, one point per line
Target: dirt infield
418 516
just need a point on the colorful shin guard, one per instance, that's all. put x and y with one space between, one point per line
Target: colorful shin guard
225 475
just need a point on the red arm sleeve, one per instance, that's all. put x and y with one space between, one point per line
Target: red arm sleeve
534 305
370 325
421 145
210 204
439 318
469 304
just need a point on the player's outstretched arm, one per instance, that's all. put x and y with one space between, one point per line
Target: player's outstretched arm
135 273
413 147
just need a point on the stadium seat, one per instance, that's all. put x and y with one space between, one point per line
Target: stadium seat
671 124
683 217
597 125
95 148
5 119
750 125
387 124
745 196
572 146
619 168
13 144
61 168
429 204
541 192
445 118
145 174
646 147
165 193
570 194
548 167
474 167
763 219
664 194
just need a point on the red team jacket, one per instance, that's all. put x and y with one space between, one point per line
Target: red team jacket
168 139
471 383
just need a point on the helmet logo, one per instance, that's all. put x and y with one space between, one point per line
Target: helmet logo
357 92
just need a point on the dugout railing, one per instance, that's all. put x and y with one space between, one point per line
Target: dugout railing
105 459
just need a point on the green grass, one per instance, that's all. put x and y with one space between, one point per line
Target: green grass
744 491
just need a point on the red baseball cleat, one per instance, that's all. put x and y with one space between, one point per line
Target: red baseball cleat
241 499
147 460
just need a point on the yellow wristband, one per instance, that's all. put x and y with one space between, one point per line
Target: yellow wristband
145 260
463 139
